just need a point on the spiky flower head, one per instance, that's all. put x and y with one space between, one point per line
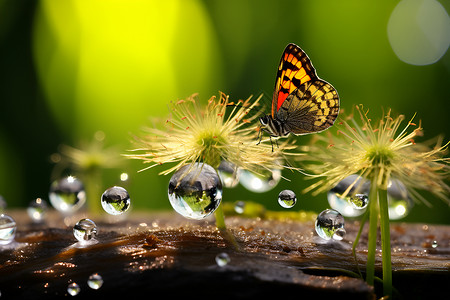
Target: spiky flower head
88 156
218 131
383 150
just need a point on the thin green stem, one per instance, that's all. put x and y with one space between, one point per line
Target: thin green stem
373 226
358 236
220 219
92 180
385 243
220 223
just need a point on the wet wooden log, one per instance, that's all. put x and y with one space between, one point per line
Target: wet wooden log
150 254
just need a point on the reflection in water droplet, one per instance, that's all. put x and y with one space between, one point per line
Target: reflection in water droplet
434 244
115 200
73 289
399 202
229 174
345 205
239 207
330 224
37 210
339 234
85 230
7 229
359 201
222 259
95 281
195 191
287 198
260 183
67 194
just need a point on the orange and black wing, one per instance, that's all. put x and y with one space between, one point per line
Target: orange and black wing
295 69
303 102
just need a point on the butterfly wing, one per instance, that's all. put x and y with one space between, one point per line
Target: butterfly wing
295 69
312 107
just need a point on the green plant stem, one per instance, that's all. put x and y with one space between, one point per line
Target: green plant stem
92 180
373 226
220 219
358 236
385 243
220 223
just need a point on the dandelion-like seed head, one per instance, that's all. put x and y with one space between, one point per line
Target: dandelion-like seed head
383 151
88 156
219 131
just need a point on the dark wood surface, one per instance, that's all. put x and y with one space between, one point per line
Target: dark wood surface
145 254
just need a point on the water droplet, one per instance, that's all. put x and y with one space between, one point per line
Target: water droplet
37 209
116 200
239 207
434 244
330 224
95 281
222 259
124 177
67 194
359 201
195 191
260 183
85 230
7 229
229 174
399 202
287 198
73 289
355 186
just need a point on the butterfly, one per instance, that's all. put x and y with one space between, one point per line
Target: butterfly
302 103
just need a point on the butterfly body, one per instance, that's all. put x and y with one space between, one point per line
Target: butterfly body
302 103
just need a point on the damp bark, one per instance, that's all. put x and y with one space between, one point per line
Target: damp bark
164 254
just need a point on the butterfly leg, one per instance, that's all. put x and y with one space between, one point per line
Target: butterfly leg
259 135
271 142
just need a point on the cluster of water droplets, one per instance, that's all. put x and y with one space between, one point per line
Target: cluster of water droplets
357 191
95 281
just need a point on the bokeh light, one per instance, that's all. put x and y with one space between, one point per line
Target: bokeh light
419 31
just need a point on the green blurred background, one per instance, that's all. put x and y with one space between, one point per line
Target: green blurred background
69 69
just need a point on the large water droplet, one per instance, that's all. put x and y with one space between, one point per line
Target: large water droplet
399 202
7 229
95 281
195 191
229 174
260 183
222 259
67 194
287 198
348 206
37 209
85 230
330 224
115 200
73 289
